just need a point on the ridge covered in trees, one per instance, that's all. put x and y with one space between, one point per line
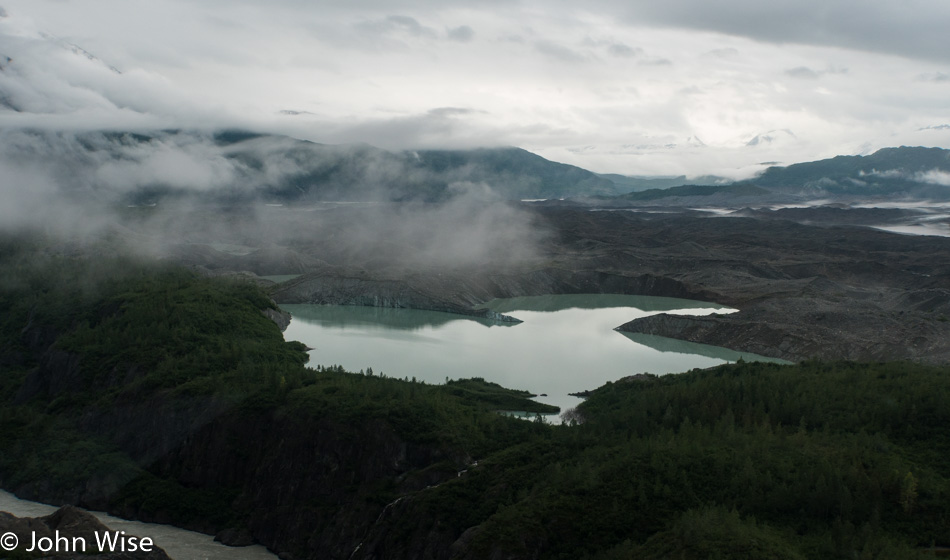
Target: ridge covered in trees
748 460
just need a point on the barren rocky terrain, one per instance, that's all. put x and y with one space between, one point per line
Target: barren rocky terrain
805 287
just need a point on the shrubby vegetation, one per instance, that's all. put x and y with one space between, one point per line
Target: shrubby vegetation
815 460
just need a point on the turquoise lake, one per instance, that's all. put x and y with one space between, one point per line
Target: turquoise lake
565 344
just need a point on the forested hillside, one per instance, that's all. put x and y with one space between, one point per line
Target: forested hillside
154 392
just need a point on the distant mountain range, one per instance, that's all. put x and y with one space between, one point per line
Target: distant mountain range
902 172
895 174
144 168
364 173
631 183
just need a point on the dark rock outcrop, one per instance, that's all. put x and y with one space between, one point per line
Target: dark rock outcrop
280 317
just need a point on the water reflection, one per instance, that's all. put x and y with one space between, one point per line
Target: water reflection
347 316
672 345
551 303
566 343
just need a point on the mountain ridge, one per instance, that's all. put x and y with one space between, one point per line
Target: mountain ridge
241 165
911 173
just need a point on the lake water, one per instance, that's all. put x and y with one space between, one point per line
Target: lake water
179 544
565 344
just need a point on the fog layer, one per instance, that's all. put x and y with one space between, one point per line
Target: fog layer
175 193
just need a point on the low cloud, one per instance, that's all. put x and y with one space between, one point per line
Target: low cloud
473 228
934 177
195 166
884 174
78 184
48 82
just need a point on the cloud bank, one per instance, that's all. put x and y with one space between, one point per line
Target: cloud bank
609 86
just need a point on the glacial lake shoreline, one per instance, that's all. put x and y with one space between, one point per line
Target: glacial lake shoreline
564 344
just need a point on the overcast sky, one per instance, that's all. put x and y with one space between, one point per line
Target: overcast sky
635 86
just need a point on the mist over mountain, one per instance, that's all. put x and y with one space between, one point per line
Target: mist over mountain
904 172
890 175
175 193
142 168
